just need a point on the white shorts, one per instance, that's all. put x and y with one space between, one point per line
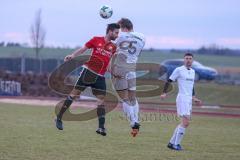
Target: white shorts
184 106
128 80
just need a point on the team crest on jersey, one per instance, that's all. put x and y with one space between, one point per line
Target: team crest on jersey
109 47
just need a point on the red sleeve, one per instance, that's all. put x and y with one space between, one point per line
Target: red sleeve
90 43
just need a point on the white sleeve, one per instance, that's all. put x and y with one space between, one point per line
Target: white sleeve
144 40
119 40
174 75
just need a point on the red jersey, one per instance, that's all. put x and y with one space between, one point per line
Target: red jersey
102 52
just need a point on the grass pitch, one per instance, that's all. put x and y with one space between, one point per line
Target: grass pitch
209 93
28 132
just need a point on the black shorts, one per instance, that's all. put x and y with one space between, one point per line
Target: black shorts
89 79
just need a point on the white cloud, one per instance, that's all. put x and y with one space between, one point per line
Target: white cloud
15 37
229 41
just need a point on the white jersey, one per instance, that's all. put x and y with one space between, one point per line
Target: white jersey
130 44
185 79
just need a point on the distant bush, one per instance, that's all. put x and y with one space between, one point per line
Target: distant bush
216 50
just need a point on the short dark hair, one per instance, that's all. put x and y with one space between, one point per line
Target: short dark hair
125 23
112 26
188 54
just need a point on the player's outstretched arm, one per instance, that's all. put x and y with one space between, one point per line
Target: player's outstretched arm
164 94
75 53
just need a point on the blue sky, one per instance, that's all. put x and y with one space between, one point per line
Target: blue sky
165 23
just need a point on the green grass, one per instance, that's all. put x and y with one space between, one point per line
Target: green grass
209 93
28 132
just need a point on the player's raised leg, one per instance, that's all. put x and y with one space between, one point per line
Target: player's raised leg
130 45
101 115
67 103
135 107
127 106
99 90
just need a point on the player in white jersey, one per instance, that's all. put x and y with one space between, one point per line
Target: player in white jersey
184 76
129 46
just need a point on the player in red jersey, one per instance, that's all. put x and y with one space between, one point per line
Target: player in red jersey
92 74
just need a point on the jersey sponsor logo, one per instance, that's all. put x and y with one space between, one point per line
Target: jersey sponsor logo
103 52
110 47
189 79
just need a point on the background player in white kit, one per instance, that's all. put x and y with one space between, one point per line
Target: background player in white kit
184 76
130 45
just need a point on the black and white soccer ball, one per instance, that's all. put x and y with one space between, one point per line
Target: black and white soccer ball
106 11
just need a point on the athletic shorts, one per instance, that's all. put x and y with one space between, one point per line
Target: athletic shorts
88 78
184 105
127 80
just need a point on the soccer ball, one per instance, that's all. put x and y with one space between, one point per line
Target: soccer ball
106 12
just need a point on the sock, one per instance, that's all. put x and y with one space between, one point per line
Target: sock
172 140
129 112
131 115
179 135
101 116
136 111
125 108
67 103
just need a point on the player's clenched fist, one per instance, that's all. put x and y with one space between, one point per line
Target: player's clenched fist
163 96
68 58
197 101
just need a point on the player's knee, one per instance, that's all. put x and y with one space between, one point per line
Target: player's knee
100 100
125 100
101 111
68 101
75 92
132 101
186 124
100 97
73 96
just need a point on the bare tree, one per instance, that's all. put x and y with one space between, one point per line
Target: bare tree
38 34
